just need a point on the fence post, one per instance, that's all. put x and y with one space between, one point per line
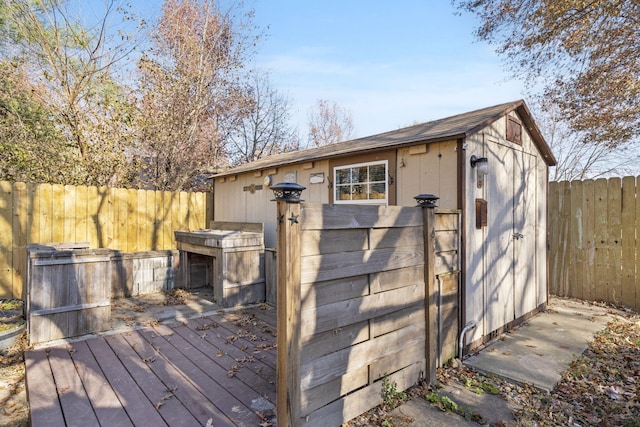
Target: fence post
428 203
288 303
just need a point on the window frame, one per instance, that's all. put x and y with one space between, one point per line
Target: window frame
384 201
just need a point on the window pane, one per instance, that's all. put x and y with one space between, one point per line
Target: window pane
359 192
344 192
342 176
376 191
377 173
360 174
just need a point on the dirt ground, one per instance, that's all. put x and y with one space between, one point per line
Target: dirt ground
14 410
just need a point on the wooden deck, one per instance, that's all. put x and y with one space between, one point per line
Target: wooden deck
218 370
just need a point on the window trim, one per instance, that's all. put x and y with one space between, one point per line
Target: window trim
383 202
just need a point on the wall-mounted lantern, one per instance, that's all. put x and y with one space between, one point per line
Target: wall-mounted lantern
481 164
426 200
287 192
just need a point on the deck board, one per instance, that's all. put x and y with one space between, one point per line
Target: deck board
176 375
153 395
229 384
117 370
237 335
105 402
178 386
75 404
258 376
218 339
163 342
43 398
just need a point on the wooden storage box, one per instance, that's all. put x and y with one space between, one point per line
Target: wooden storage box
236 263
68 291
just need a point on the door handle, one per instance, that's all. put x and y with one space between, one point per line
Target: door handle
518 236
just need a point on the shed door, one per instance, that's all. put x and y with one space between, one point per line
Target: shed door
499 295
524 243
511 289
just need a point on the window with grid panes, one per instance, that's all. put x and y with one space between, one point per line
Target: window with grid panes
362 183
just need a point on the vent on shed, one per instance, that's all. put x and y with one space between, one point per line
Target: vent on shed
514 130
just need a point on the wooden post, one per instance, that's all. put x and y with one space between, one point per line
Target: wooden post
288 314
428 203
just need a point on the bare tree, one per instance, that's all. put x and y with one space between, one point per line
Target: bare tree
192 93
580 159
584 55
263 129
329 123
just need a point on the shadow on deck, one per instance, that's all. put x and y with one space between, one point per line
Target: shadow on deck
218 369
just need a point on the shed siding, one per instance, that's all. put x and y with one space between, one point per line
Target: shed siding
233 203
428 168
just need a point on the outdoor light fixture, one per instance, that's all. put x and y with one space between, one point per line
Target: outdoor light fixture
426 200
287 192
481 164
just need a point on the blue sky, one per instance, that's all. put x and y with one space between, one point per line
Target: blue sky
390 63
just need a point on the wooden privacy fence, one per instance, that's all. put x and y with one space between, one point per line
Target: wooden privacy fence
114 218
593 236
357 302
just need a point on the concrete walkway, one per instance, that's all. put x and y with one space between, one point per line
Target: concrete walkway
535 353
540 350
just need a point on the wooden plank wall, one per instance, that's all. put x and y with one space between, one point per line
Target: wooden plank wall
361 314
593 238
120 219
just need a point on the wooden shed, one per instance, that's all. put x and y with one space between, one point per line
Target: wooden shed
491 163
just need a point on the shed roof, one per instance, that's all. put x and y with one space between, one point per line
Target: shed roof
454 127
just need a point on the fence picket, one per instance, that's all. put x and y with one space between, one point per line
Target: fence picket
69 214
6 237
602 278
21 209
614 244
91 215
576 261
628 217
637 246
82 204
564 211
553 237
57 213
589 218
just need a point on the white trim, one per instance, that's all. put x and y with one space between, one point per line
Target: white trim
384 201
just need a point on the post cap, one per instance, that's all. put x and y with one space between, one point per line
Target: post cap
426 200
287 192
